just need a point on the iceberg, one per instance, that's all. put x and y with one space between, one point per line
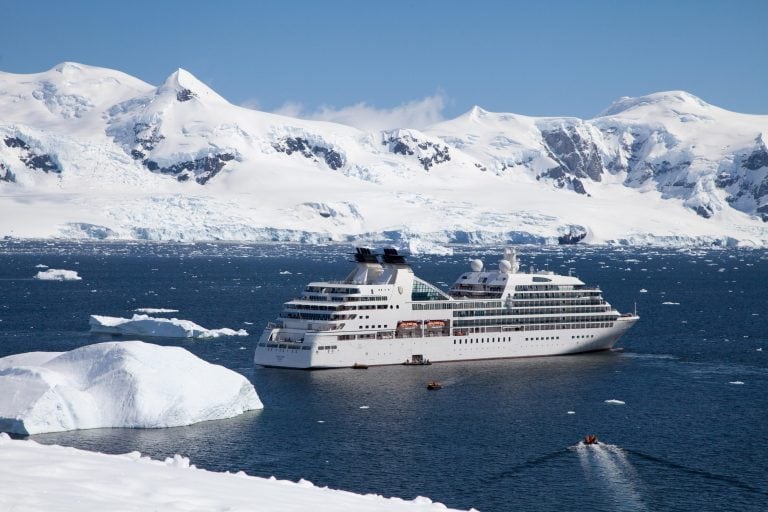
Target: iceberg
145 325
117 384
57 274
155 310
135 482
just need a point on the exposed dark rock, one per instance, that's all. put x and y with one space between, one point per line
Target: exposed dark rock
704 211
562 180
147 136
39 161
406 144
290 145
184 95
202 169
576 155
763 212
6 174
15 142
756 160
571 238
725 179
400 148
137 155
665 167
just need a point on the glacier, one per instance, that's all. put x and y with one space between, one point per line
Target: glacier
93 153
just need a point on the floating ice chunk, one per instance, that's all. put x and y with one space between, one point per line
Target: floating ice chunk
144 325
155 310
668 303
285 272
643 290
571 412
737 382
57 274
613 401
365 407
117 384
417 246
40 265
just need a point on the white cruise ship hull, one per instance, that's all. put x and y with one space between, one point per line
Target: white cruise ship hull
320 350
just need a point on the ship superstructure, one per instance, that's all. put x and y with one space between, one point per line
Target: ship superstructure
384 314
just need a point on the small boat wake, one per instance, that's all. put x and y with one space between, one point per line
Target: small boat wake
607 466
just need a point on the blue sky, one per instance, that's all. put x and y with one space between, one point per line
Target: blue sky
528 57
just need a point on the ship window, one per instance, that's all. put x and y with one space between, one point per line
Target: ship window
424 291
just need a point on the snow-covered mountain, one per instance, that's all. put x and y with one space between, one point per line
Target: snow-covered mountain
88 152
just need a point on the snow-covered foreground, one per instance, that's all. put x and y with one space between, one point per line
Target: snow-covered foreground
144 325
117 384
57 274
38 477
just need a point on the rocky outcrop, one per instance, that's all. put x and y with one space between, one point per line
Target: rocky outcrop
184 95
428 153
31 158
199 169
574 150
290 145
6 174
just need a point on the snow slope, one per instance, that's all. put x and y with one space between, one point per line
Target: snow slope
88 152
117 384
39 477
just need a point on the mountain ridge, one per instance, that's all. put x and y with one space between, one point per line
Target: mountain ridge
77 134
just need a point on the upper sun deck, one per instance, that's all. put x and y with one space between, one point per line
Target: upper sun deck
389 277
507 280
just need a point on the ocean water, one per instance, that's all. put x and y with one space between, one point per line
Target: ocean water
500 435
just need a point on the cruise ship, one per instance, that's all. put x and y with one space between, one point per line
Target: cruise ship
383 314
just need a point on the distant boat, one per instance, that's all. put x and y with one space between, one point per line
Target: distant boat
433 385
359 366
591 439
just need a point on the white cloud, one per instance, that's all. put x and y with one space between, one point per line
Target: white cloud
414 114
251 103
290 109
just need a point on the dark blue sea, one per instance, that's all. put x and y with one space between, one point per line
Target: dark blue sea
692 434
